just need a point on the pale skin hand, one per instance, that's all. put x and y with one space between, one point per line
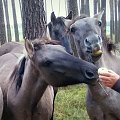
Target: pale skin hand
109 78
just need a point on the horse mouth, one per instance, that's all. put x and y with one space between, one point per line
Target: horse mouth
96 55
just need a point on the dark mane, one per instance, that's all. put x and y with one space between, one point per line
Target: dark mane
109 45
80 17
45 40
18 72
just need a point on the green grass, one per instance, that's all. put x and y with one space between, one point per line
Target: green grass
70 103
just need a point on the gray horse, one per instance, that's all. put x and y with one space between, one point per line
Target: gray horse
87 35
57 29
24 84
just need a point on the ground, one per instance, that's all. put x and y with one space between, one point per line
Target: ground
70 103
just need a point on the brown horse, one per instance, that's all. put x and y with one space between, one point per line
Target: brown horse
56 29
1 103
45 65
13 47
87 35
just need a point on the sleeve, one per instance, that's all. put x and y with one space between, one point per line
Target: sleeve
116 87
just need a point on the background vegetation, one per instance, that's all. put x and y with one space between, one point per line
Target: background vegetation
70 103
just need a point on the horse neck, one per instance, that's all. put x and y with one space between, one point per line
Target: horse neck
32 87
97 92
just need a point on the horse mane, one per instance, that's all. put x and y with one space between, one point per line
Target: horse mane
18 72
109 45
80 17
44 40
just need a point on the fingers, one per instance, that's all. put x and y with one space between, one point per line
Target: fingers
105 78
107 81
107 74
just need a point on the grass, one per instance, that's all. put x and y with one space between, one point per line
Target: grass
70 103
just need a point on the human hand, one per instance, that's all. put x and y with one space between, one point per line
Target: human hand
108 77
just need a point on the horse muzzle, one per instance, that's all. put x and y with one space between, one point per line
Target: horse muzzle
96 50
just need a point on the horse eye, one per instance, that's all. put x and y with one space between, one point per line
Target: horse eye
47 63
56 32
72 30
99 23
37 47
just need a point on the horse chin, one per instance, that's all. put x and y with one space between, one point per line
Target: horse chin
96 58
91 83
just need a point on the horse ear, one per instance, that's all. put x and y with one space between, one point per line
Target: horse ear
70 15
46 33
99 15
29 47
53 17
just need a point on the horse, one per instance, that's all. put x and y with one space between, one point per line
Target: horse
57 29
101 105
13 47
44 65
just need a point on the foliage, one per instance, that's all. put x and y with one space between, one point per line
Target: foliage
70 103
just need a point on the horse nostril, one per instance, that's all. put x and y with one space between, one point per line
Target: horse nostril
100 39
72 30
89 74
87 42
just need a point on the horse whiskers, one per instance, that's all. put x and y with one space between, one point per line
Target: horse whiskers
102 87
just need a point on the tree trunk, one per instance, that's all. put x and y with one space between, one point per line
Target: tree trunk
33 18
95 6
15 21
82 9
99 6
87 9
103 6
116 39
119 21
7 20
2 25
111 19
72 5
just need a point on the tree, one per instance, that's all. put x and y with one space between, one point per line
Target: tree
95 6
33 18
15 21
72 5
2 25
87 9
82 9
99 6
103 6
111 19
119 20
7 20
116 36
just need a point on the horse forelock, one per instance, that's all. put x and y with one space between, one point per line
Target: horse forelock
81 17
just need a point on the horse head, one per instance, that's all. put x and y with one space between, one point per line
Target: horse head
58 29
87 35
57 67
